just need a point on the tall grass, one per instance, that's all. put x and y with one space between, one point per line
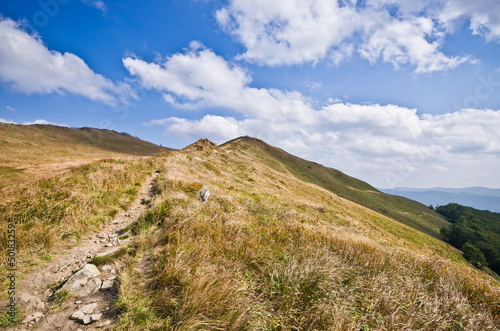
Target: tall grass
58 211
279 254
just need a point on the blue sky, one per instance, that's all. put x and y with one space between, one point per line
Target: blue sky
394 92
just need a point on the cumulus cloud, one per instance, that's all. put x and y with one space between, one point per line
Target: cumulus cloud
200 78
359 139
30 67
2 120
400 32
288 32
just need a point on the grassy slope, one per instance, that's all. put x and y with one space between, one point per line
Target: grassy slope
269 251
404 210
23 149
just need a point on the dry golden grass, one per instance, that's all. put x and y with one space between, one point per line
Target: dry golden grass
39 151
270 252
58 211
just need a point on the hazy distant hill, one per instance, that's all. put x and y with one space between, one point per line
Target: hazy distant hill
477 197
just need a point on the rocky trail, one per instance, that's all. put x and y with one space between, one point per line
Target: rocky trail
90 289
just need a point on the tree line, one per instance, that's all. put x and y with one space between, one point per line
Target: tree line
475 232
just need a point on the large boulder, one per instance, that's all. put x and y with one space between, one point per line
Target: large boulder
86 281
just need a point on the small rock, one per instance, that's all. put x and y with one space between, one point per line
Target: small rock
25 298
109 252
32 317
107 285
204 193
40 305
106 267
86 320
108 245
101 236
103 324
115 222
95 317
88 309
77 315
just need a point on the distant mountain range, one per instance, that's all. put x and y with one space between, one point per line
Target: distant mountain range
481 198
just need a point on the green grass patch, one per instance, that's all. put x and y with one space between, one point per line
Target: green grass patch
100 260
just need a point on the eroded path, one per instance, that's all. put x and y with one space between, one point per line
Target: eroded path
36 289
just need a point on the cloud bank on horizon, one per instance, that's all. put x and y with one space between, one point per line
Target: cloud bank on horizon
382 143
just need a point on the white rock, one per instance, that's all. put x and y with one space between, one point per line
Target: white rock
204 194
84 281
88 309
86 320
77 315
107 285
106 267
32 317
95 317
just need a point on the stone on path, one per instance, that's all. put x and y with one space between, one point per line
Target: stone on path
84 282
32 317
107 285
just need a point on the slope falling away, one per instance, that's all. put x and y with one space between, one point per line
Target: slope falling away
34 151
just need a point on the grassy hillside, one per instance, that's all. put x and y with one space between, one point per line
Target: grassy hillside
269 251
274 248
406 211
33 151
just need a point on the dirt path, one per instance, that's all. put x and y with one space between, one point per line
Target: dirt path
35 291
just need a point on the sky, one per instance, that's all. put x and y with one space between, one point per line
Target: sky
398 93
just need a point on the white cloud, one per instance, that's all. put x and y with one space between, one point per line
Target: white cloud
200 78
288 32
484 16
276 32
11 109
363 140
98 4
217 127
7 121
30 67
402 42
44 122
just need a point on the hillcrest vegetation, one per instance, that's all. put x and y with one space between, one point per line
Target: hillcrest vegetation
281 244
